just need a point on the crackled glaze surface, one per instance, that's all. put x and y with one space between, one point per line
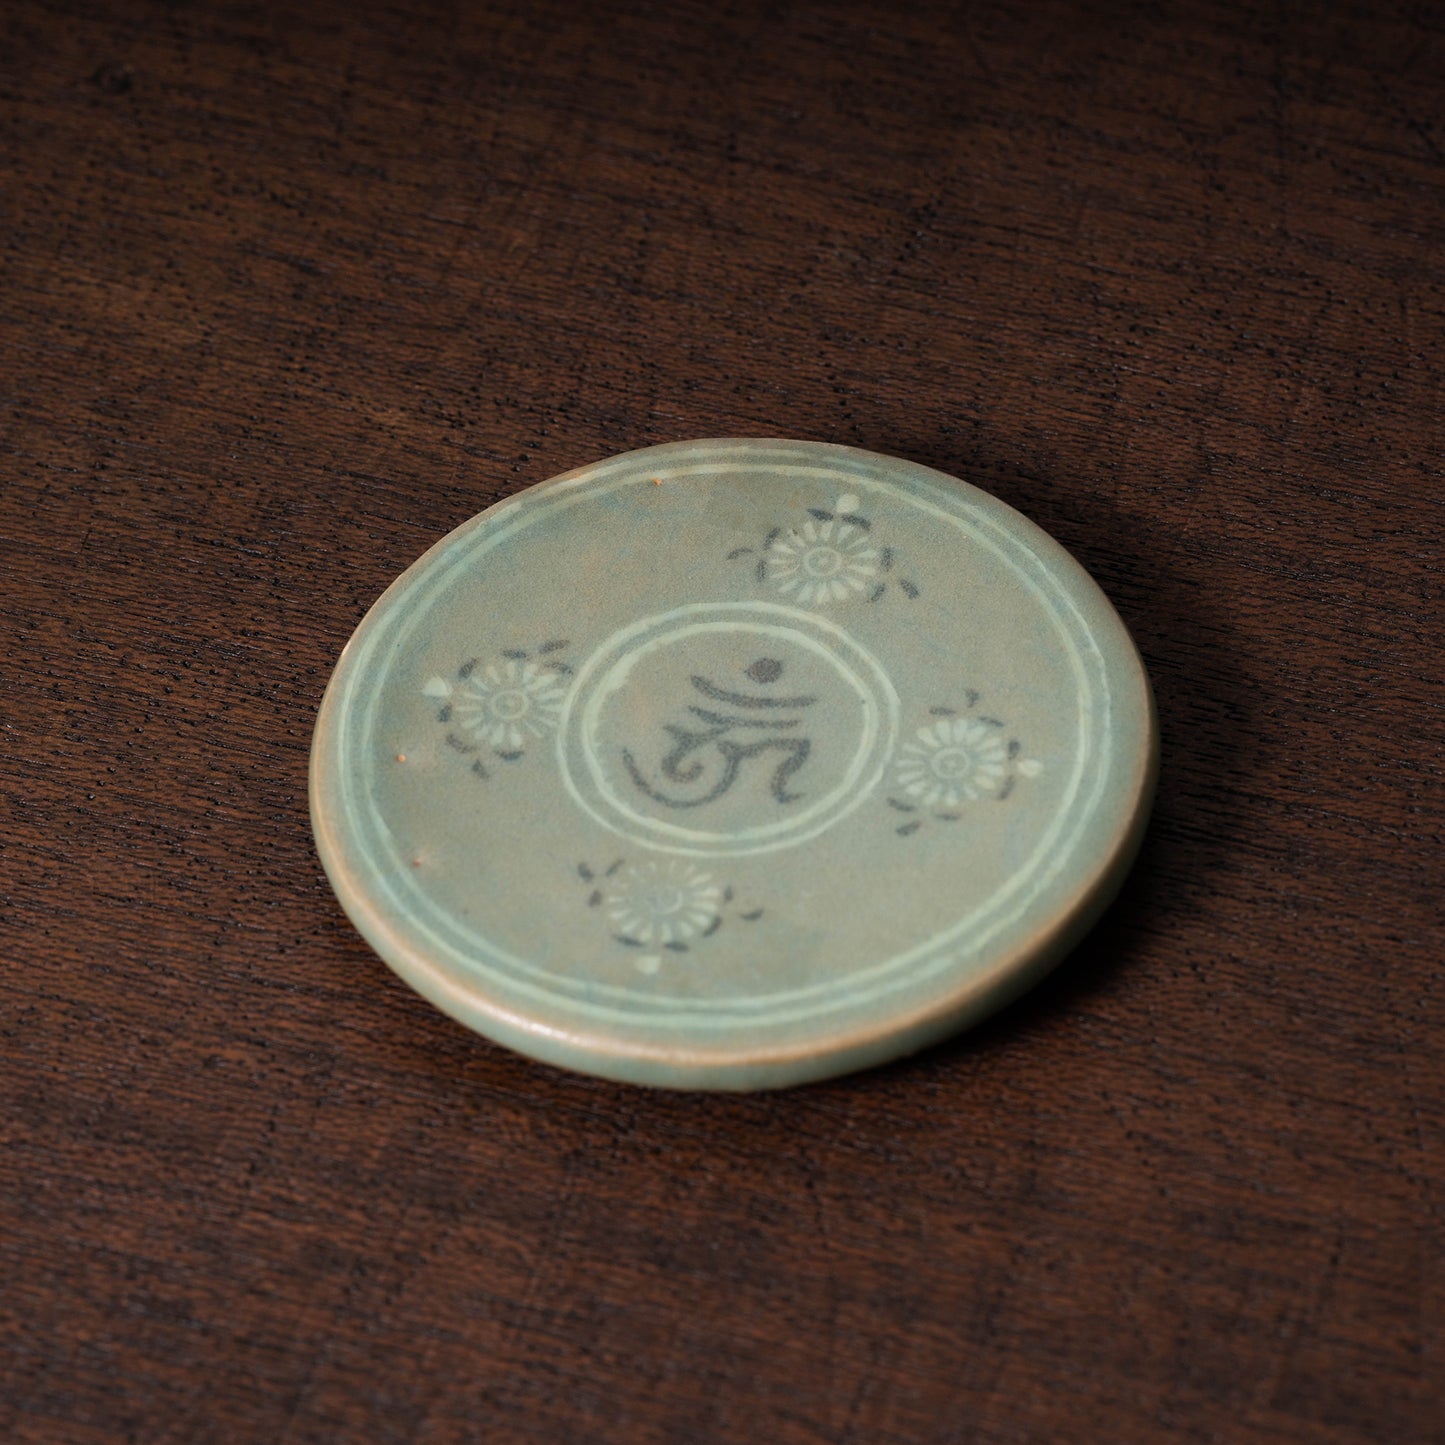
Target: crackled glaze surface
733 763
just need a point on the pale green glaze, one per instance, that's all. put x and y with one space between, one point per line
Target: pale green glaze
733 764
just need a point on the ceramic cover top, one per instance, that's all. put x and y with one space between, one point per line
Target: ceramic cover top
732 764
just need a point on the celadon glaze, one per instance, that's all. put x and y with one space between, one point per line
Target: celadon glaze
733 764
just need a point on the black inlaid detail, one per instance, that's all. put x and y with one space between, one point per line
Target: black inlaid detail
459 744
1014 747
693 744
515 653
511 757
853 519
628 941
564 668
676 946
751 917
908 828
733 756
820 514
444 713
1007 788
909 588
721 719
885 559
467 668
747 699
948 817
584 873
595 898
713 926
878 592
901 805
556 645
479 770
762 567
943 711
993 722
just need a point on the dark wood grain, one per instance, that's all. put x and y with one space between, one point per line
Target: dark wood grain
290 291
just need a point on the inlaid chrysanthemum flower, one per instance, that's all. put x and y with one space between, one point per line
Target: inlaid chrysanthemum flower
504 704
953 761
822 561
663 903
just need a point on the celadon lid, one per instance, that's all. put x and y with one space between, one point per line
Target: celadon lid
733 764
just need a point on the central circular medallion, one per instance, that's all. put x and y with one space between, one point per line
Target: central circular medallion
726 729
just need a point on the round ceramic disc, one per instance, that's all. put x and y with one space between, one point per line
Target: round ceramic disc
732 764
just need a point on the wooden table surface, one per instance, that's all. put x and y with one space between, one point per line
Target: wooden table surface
290 291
